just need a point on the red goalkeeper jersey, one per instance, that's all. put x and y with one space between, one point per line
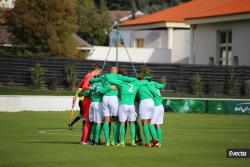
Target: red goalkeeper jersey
84 84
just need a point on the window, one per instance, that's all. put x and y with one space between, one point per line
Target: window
139 43
225 48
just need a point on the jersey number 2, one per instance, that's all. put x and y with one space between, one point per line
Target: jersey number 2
131 88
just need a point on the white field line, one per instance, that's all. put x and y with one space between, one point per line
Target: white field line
56 132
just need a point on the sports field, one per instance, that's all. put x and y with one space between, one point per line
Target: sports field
39 139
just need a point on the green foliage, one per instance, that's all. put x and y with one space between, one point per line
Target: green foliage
197 84
231 83
94 22
70 75
145 71
44 26
147 6
37 73
212 87
164 80
53 82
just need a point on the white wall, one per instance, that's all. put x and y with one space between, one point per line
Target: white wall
152 38
206 41
181 46
126 36
15 103
139 55
7 4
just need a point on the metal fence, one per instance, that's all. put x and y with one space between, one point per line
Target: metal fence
15 70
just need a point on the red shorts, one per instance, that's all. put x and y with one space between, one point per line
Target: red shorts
85 107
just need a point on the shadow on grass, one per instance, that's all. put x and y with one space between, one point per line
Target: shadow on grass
76 143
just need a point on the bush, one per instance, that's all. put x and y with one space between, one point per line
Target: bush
37 73
212 87
164 80
231 83
70 75
197 84
53 82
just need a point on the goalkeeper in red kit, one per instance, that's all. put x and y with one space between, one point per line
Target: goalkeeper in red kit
96 70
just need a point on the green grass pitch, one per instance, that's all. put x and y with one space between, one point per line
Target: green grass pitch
188 140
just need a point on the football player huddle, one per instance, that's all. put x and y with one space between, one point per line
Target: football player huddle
121 100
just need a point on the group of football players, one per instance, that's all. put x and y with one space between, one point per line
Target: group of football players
118 99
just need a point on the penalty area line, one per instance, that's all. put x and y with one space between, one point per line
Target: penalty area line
56 132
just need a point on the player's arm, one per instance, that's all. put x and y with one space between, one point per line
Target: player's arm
85 85
113 81
126 78
158 85
97 79
106 88
142 83
75 97
78 91
153 90
81 83
83 93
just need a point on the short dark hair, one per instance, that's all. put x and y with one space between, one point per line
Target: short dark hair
140 77
96 66
122 71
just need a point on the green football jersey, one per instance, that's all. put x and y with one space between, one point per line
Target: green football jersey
104 81
128 90
144 93
96 91
154 89
116 77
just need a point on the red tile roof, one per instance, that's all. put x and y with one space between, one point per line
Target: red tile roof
193 9
234 7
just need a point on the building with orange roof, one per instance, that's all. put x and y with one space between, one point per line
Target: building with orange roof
196 32
221 35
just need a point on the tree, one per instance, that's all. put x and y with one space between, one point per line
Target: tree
94 22
147 6
44 26
197 84
36 76
150 6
